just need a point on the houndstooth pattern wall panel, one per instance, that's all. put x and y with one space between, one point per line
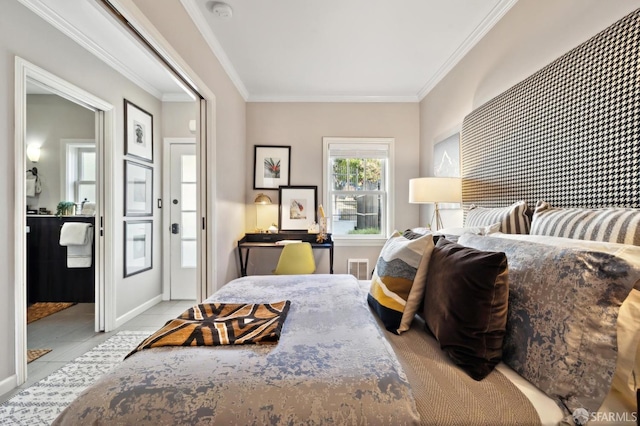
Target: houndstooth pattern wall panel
569 134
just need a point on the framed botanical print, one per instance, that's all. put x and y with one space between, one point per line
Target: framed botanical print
271 165
138 246
298 206
138 189
138 132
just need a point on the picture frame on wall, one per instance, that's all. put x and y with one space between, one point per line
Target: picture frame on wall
138 189
446 162
138 246
298 206
138 132
271 166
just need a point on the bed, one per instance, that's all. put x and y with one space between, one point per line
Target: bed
332 365
336 363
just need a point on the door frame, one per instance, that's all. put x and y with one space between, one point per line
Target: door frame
104 133
166 213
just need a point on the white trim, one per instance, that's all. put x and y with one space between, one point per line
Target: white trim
481 30
121 320
40 8
25 70
358 242
335 99
166 211
8 384
215 46
177 97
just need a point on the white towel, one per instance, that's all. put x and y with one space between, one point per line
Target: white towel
80 256
31 187
74 234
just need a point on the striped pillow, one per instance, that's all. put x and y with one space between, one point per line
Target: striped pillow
399 280
512 219
614 225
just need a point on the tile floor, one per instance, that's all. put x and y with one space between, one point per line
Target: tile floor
70 333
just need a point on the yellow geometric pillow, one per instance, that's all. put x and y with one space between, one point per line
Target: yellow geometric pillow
395 293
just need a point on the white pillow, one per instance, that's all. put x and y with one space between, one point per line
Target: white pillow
476 230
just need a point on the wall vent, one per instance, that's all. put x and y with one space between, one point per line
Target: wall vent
359 268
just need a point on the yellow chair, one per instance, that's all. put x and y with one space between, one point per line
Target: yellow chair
296 258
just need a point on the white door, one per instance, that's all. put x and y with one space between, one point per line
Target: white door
183 197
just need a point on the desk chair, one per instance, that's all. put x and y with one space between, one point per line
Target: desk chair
296 258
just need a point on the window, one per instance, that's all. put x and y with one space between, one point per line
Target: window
81 171
357 180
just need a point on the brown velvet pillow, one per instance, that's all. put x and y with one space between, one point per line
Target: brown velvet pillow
465 305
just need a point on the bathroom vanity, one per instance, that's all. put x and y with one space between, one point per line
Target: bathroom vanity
48 277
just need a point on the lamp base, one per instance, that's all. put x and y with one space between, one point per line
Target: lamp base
436 220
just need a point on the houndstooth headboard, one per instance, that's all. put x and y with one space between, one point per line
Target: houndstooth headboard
569 134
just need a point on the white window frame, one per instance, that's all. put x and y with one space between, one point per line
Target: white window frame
71 165
327 191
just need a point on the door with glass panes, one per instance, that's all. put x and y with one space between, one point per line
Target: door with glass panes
183 221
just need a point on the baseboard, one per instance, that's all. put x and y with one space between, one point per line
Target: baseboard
137 311
8 384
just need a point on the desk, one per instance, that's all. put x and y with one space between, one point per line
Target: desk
268 241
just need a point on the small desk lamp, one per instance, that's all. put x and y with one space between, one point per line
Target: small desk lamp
261 200
434 190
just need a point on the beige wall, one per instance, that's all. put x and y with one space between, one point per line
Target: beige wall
531 35
175 119
302 126
228 162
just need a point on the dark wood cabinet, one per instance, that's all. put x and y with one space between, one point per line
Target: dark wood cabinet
48 278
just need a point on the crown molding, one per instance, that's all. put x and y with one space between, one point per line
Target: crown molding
215 46
177 97
481 30
40 8
336 99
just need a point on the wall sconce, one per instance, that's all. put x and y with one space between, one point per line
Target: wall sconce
192 126
261 200
33 152
434 190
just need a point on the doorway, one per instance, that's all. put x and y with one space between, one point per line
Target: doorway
27 73
181 223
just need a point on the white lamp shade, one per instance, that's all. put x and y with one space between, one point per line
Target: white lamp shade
33 152
435 190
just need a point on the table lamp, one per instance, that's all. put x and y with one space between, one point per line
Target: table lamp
261 200
434 190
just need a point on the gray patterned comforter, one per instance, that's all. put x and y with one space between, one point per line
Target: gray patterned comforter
332 366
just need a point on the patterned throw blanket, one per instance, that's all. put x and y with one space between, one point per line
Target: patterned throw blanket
214 324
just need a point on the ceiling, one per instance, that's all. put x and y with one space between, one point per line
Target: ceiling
337 50
300 50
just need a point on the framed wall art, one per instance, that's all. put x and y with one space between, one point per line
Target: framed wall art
138 132
138 246
138 189
298 206
446 162
271 165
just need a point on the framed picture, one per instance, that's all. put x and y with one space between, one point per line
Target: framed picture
271 165
138 189
138 246
446 162
138 132
298 206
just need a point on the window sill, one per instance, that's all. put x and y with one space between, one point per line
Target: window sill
358 242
